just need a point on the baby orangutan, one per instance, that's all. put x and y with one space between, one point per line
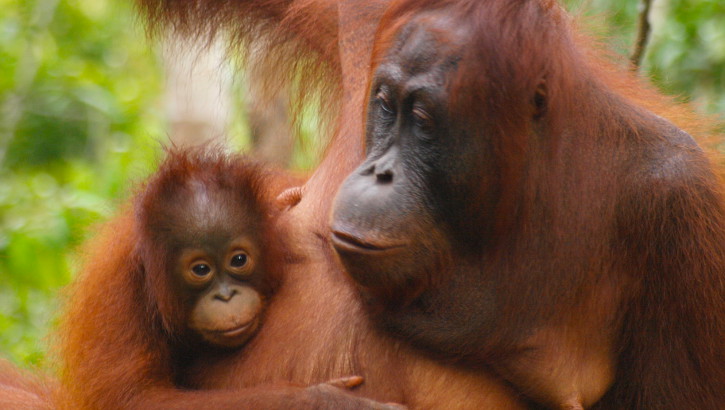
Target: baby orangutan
202 223
191 284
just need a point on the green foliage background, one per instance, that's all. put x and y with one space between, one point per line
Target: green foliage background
79 95
81 119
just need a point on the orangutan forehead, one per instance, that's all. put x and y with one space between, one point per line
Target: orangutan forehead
200 212
423 50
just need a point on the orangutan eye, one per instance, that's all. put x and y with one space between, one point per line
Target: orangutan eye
421 118
238 260
384 103
201 269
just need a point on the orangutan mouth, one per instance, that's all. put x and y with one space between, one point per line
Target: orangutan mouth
346 242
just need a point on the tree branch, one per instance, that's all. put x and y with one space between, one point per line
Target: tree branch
642 35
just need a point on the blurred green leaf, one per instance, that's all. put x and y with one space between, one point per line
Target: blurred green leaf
80 111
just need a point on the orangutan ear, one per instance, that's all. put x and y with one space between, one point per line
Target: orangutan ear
540 100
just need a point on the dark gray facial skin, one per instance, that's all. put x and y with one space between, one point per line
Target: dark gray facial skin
390 217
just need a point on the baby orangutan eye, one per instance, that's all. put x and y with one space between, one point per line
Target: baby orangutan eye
198 273
201 269
238 260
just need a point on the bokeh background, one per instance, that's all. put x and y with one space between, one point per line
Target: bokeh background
84 111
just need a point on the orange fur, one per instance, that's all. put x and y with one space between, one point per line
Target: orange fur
20 390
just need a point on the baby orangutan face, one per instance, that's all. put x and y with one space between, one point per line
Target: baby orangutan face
228 308
209 233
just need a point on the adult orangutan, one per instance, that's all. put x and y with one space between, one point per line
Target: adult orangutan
524 209
553 218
